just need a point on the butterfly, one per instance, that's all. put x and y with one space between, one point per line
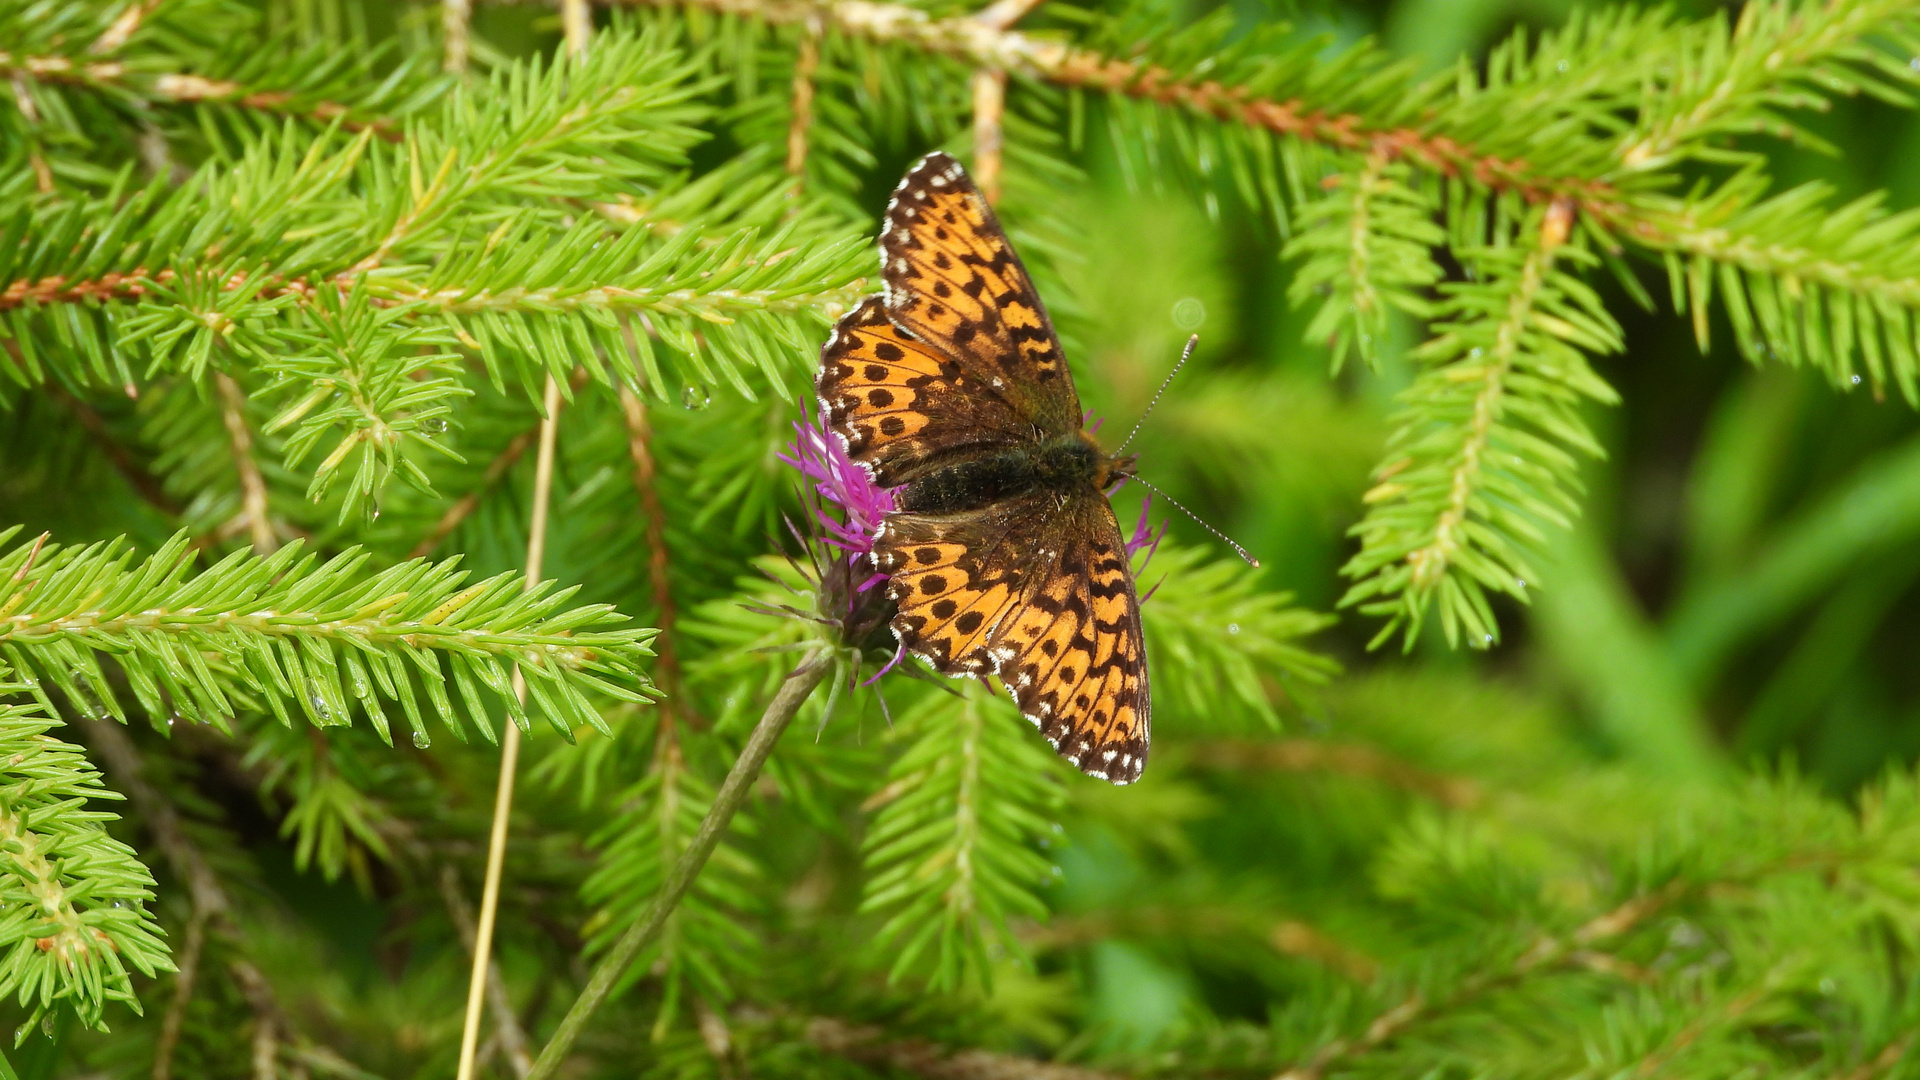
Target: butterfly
1002 552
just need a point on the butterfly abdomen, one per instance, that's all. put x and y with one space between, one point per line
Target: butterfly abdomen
1061 464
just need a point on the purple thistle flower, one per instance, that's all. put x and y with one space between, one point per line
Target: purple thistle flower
847 509
1144 535
841 483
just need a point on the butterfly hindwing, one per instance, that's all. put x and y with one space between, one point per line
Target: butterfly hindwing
954 280
902 406
1074 656
1039 594
957 577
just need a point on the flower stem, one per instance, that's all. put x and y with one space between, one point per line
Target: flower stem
798 686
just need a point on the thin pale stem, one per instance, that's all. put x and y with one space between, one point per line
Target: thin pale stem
496 469
799 685
456 23
511 1037
576 16
805 64
989 102
509 748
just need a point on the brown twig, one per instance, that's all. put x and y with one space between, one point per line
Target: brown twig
180 89
144 483
646 483
23 100
870 1045
1347 759
1688 1035
1888 1056
266 1018
186 969
1289 937
979 45
253 487
989 101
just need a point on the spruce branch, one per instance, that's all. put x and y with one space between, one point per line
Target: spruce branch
1366 246
1777 58
1479 463
794 691
1803 281
1396 132
1546 952
950 853
356 367
301 636
1219 640
76 923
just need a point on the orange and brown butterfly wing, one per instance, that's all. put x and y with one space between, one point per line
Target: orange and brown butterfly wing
1040 594
956 577
903 406
1074 656
954 281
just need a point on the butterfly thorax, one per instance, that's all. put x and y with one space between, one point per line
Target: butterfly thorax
1064 463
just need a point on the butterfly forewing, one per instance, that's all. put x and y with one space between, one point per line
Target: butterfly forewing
902 405
954 280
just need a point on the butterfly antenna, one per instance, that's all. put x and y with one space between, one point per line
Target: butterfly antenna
1217 534
1164 383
